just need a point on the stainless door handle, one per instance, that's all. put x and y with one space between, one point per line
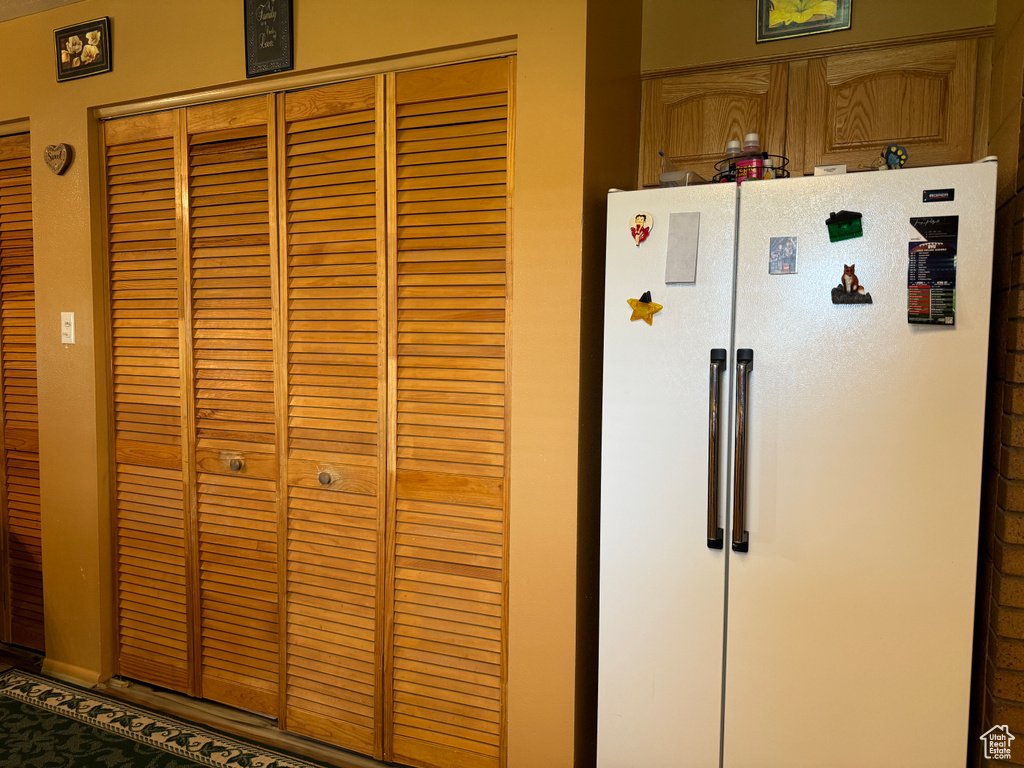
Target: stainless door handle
740 536
715 534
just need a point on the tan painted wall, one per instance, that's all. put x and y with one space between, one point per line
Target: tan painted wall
191 45
681 34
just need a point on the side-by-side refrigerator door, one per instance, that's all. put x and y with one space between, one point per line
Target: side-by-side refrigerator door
664 474
850 614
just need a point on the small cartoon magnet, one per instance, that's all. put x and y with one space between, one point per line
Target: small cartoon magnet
641 227
895 156
643 308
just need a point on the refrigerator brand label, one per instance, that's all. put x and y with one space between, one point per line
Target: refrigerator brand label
939 195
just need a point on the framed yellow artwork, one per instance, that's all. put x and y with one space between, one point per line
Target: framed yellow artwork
779 19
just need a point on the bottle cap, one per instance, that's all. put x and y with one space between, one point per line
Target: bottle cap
769 163
751 138
732 147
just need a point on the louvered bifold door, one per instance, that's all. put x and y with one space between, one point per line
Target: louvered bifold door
232 254
448 323
149 484
334 238
20 450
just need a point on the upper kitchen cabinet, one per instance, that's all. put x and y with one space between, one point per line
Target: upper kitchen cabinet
919 96
839 106
689 117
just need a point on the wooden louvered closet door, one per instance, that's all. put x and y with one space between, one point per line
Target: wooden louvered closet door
21 553
232 266
150 499
332 188
449 291
309 302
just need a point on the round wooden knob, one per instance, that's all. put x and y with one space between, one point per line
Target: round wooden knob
324 478
236 464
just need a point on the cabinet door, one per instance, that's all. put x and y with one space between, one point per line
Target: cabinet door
449 302
20 449
918 96
690 117
150 494
334 300
232 263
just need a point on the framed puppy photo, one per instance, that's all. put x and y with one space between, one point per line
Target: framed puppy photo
83 49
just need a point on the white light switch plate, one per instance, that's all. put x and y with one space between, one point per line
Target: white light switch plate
67 327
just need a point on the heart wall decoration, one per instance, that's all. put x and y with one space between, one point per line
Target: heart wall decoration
57 157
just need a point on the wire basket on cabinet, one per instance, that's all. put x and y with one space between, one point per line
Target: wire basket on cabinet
725 170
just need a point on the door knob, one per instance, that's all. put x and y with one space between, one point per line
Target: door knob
236 464
324 478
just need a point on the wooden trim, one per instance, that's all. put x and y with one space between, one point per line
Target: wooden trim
485 49
188 416
959 34
391 418
982 97
6 598
277 204
14 127
384 147
107 340
816 99
509 257
796 119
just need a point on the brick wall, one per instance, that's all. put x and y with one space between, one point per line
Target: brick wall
998 684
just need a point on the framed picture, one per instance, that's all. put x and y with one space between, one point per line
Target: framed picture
779 19
268 37
83 49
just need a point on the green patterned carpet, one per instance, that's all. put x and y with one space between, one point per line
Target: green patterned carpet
47 724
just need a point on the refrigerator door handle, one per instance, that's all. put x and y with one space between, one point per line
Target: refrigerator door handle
740 536
716 536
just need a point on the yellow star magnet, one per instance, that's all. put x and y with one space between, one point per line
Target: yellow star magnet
643 308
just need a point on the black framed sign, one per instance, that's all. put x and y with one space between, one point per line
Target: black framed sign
268 37
83 49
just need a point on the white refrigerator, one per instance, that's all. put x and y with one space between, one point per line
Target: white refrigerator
838 447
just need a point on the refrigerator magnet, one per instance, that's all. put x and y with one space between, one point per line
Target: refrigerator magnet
642 224
782 256
681 258
643 308
931 270
843 225
849 290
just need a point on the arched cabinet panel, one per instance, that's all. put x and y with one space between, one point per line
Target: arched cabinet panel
921 97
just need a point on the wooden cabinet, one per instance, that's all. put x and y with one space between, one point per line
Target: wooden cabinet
689 117
21 577
918 96
839 107
308 297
